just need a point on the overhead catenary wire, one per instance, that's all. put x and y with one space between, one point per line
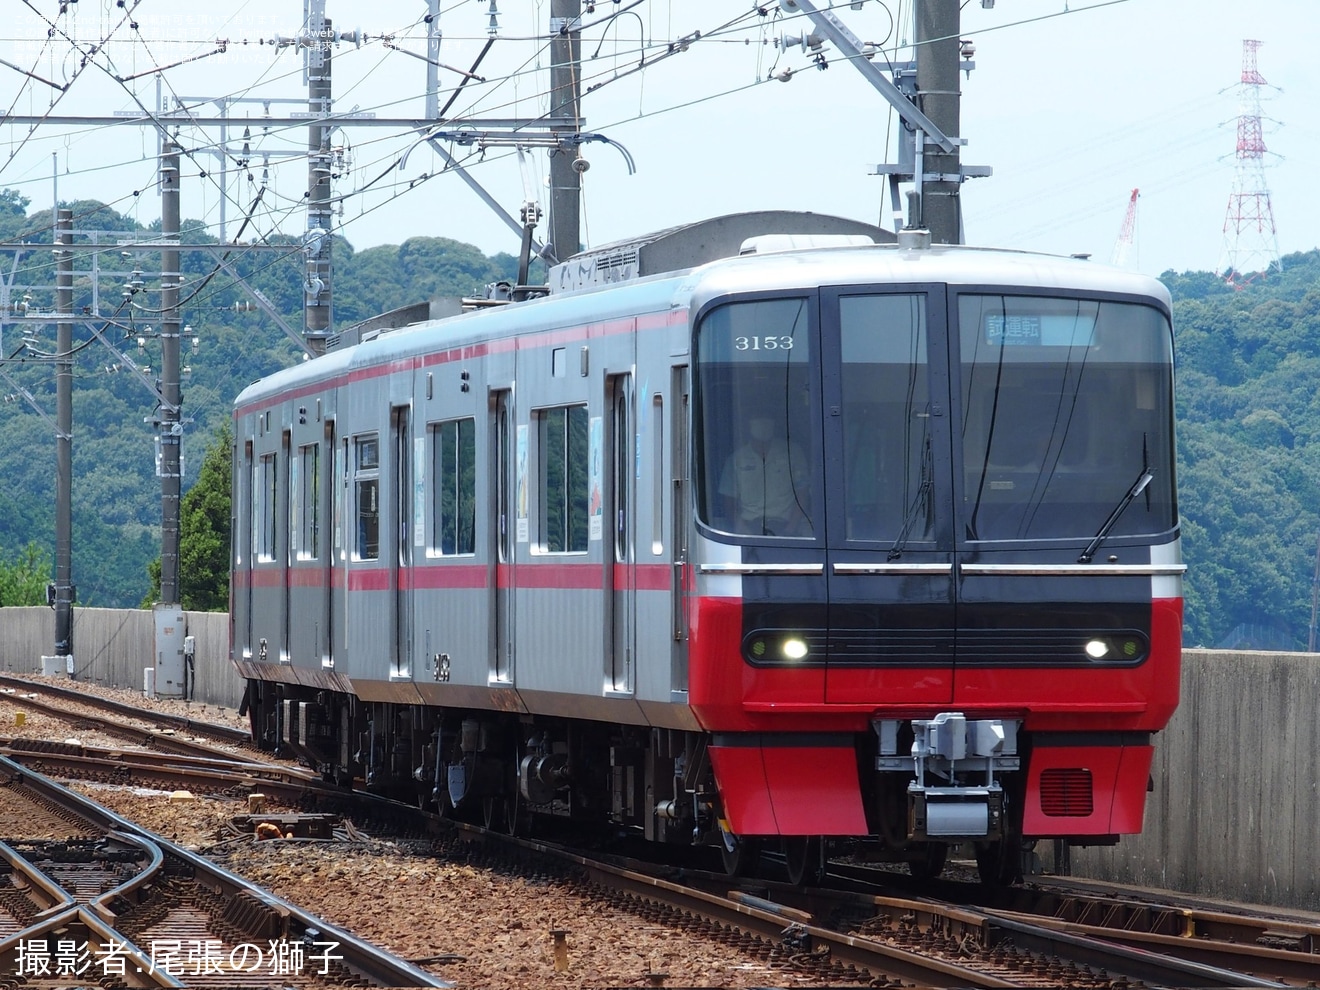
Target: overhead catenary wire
486 96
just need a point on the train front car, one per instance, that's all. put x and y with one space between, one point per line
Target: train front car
936 582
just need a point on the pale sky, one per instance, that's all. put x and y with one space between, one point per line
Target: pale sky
1073 104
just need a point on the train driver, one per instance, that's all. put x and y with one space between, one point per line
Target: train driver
766 484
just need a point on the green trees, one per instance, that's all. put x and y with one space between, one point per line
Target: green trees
204 532
116 495
23 579
1249 451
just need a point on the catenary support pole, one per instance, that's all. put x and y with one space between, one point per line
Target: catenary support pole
64 439
171 426
432 59
566 88
317 286
938 96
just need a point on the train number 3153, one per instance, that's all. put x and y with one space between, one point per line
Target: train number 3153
763 343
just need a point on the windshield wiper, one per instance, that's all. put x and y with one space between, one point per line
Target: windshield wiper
919 502
1137 488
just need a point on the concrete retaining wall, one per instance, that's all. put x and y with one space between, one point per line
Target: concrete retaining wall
1236 802
113 647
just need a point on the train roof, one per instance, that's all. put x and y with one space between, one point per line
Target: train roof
692 288
692 244
895 264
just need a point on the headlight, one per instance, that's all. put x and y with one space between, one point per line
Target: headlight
794 649
1116 648
771 646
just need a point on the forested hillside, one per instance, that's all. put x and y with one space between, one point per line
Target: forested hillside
116 494
1249 453
1249 416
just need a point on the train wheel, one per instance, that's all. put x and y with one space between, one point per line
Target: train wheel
929 862
492 812
804 858
999 863
439 800
740 856
516 819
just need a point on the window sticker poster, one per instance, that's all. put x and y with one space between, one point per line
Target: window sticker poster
595 502
522 483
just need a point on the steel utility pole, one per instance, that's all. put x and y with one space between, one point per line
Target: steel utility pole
432 59
317 294
566 166
171 426
64 440
938 96
167 677
925 94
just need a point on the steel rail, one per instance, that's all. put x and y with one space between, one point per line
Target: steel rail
1272 942
771 922
196 727
990 929
1139 964
367 961
119 766
1261 960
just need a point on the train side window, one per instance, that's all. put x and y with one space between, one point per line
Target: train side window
340 486
658 475
366 487
309 499
244 474
454 507
264 500
563 479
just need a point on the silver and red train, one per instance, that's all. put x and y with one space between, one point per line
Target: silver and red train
872 542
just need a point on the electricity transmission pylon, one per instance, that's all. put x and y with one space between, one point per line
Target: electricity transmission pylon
1251 247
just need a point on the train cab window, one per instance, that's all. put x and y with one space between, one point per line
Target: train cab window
563 479
308 500
756 448
1066 404
454 508
265 498
885 418
366 488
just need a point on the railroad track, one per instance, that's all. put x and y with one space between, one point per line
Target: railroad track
970 946
1037 934
1279 946
837 934
92 897
164 732
216 773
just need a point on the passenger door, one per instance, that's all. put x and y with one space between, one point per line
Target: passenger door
400 537
620 552
502 509
679 519
890 562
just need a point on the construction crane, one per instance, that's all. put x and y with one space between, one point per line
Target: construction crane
1124 255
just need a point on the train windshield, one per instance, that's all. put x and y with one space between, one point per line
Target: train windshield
1066 403
757 453
884 420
